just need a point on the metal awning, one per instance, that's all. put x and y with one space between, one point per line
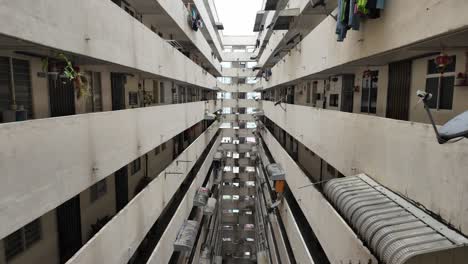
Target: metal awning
394 229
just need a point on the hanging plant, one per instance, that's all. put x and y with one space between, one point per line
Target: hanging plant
74 75
147 98
45 64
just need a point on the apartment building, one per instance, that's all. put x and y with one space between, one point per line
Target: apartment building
137 131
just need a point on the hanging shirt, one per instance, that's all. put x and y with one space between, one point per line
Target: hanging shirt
380 4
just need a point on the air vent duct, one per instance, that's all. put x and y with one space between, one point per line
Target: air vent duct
397 231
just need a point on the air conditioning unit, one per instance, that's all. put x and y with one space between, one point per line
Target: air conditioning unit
186 236
275 172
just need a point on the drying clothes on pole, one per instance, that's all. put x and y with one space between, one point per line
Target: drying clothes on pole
354 18
195 20
342 26
362 7
380 4
373 12
351 12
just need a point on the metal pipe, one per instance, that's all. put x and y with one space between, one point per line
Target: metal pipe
12 85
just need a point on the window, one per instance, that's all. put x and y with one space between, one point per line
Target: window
441 87
163 146
254 95
136 166
225 80
133 98
226 64
369 92
22 239
315 95
251 80
156 151
334 98
308 93
98 190
22 80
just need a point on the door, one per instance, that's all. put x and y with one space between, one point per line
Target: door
94 100
121 188
21 75
69 228
369 92
399 87
5 91
347 94
62 97
118 91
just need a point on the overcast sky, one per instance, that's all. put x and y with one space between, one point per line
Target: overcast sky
238 16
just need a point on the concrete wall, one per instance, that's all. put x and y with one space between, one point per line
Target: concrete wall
375 37
46 250
240 103
340 243
403 156
296 241
118 240
238 72
96 154
128 43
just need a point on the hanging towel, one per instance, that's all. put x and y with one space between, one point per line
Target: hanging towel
380 4
362 7
354 19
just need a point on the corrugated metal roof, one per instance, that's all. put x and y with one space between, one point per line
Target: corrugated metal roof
396 230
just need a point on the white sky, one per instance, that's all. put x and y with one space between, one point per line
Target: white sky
238 16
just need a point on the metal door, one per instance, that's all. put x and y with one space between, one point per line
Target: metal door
347 93
121 188
69 228
118 91
62 97
399 87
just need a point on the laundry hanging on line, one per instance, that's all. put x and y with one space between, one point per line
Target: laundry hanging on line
352 12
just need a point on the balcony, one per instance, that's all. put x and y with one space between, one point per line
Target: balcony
128 43
66 155
404 156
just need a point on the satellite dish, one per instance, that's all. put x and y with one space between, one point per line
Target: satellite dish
453 129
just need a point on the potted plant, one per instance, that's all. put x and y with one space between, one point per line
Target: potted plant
460 80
